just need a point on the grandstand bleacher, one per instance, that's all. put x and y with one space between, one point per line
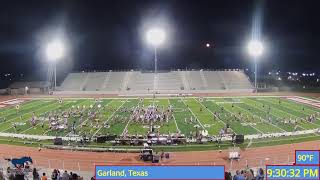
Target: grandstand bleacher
162 82
113 81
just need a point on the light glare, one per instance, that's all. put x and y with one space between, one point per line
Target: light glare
55 50
255 48
155 36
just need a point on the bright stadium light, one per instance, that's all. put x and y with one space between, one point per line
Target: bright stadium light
155 37
55 50
255 48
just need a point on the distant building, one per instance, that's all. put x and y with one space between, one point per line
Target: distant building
34 87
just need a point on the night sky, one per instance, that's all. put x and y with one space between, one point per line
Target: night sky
105 34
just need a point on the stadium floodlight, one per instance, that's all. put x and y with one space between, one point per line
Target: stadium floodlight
55 51
255 49
156 37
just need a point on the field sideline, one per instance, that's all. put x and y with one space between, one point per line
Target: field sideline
245 115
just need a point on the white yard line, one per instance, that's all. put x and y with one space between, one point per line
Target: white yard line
9 120
243 120
27 119
293 115
131 119
193 114
298 109
215 116
44 134
128 122
261 118
174 118
110 117
210 112
272 114
126 127
306 101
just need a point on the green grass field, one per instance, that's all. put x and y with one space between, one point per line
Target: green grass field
244 115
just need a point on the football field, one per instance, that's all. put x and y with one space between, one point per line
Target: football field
243 115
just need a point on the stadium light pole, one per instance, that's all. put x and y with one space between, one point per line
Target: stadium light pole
255 50
54 52
156 37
